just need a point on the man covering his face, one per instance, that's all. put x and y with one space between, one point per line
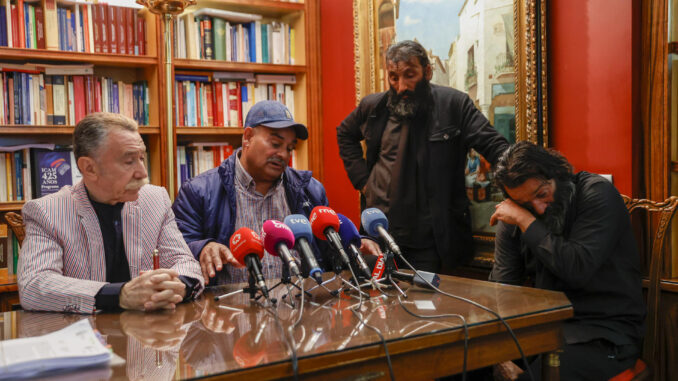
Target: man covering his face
572 233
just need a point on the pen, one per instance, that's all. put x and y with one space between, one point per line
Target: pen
156 259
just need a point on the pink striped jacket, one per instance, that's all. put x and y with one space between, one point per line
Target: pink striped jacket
62 265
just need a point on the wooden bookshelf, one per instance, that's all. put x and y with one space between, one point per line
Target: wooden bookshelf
11 206
228 131
57 56
216 65
302 16
14 129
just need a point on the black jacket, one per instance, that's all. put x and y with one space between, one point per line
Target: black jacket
595 263
455 126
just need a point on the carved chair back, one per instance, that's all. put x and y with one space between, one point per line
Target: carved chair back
16 223
662 212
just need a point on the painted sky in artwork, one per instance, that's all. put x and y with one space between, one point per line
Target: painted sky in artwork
434 23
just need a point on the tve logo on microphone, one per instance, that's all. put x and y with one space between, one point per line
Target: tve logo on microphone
299 221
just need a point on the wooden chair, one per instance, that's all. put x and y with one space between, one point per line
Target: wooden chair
16 223
662 213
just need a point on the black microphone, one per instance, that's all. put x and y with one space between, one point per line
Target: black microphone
376 224
418 279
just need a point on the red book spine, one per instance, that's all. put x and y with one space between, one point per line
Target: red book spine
96 28
198 103
129 30
112 22
103 30
238 101
40 27
141 38
85 28
219 117
89 95
97 95
216 158
21 24
209 103
180 94
15 27
121 22
79 97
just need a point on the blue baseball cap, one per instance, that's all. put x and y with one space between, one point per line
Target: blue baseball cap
274 114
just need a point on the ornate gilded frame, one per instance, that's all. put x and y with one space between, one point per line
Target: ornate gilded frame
530 63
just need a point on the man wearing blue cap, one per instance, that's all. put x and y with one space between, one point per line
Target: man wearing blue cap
251 186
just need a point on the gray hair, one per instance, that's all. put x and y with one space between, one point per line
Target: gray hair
92 130
403 51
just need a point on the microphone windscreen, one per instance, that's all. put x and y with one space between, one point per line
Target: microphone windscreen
348 232
244 242
371 218
300 226
274 232
323 217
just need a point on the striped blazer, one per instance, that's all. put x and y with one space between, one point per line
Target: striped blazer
62 265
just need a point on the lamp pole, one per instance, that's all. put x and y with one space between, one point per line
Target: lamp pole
168 9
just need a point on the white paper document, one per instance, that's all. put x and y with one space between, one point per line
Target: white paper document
73 347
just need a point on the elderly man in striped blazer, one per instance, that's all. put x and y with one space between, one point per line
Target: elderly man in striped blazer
91 246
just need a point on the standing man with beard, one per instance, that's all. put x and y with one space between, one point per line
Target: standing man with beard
572 233
417 135
90 246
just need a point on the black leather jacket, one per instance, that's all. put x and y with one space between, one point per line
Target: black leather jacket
456 126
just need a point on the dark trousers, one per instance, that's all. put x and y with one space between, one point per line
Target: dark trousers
594 360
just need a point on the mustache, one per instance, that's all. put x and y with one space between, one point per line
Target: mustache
276 160
136 184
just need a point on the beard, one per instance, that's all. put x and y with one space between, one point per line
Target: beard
408 104
554 216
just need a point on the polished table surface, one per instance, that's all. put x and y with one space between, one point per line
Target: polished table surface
235 338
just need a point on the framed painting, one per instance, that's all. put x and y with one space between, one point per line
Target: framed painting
493 50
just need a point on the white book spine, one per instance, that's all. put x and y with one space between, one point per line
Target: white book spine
71 104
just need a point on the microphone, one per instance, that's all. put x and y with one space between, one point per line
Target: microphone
325 223
350 238
418 279
303 236
278 240
376 224
248 250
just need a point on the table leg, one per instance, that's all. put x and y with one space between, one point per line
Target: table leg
550 366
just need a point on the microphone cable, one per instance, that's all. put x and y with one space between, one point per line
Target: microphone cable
288 342
476 304
375 329
460 317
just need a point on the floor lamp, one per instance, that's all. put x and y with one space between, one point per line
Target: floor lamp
168 9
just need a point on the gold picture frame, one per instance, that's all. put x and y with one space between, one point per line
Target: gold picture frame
530 62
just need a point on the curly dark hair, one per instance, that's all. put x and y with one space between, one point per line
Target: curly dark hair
403 51
525 160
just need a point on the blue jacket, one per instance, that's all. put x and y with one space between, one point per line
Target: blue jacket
205 207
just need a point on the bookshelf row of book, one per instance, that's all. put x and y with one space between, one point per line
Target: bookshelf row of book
72 26
9 250
215 34
35 98
35 170
224 99
196 158
29 173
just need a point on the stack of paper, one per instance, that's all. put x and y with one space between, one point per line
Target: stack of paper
73 347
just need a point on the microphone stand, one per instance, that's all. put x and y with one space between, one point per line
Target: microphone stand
286 279
251 289
389 269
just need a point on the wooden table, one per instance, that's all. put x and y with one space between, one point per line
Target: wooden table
235 339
